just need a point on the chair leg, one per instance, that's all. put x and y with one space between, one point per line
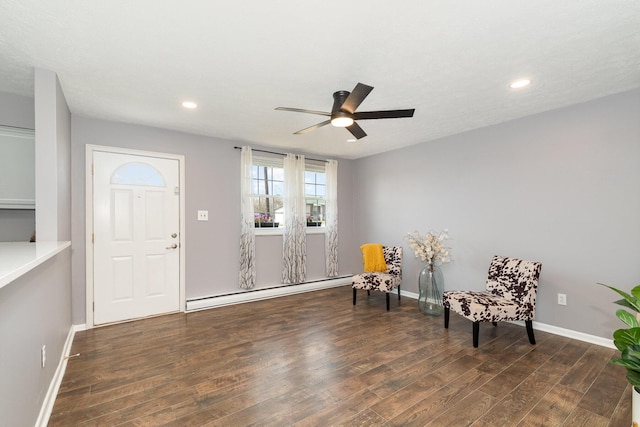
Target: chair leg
529 325
387 294
446 317
354 296
368 292
398 293
476 331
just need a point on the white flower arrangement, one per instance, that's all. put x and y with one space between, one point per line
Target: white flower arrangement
429 247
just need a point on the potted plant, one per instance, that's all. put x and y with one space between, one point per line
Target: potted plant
628 342
263 220
311 222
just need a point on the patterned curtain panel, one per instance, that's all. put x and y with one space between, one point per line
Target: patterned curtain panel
331 219
247 230
294 259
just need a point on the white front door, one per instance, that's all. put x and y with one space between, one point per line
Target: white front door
136 226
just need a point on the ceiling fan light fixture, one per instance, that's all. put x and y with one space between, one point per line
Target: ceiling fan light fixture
341 119
342 122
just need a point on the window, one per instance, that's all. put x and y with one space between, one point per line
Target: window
314 192
267 187
138 174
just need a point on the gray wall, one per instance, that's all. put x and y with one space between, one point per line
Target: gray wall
212 168
17 111
16 224
35 310
560 187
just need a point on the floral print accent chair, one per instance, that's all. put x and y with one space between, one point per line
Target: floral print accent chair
383 282
512 285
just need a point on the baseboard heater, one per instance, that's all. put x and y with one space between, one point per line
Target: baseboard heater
265 293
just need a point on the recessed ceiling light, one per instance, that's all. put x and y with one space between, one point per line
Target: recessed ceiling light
351 140
520 83
190 105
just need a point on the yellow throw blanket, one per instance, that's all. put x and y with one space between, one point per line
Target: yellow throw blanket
373 258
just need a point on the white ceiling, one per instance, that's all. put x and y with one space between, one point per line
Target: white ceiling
452 60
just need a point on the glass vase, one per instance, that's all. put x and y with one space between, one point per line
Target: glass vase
430 286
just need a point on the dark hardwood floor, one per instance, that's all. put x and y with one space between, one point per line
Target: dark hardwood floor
314 359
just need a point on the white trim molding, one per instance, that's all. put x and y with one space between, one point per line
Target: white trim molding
580 336
261 294
54 385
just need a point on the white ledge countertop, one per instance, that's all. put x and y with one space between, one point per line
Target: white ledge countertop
18 258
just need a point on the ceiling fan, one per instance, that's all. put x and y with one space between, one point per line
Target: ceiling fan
343 113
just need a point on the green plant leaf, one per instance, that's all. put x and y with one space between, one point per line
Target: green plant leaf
628 318
625 303
631 301
619 362
630 362
624 338
636 292
630 365
633 356
634 378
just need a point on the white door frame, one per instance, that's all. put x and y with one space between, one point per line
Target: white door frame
90 149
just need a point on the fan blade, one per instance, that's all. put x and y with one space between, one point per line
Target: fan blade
356 131
302 110
310 128
356 97
389 114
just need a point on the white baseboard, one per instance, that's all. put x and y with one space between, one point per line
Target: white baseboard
580 336
260 294
54 386
411 295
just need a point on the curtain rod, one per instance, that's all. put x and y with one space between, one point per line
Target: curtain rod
281 154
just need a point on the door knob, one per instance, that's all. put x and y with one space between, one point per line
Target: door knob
172 246
174 235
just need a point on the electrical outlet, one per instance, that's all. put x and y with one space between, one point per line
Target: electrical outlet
203 215
43 355
562 299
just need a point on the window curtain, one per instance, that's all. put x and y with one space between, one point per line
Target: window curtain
247 227
294 257
331 219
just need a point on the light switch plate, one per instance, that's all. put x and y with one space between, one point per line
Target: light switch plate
203 215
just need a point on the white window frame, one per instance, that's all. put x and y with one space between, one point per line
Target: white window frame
278 162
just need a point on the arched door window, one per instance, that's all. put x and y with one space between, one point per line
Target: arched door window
135 173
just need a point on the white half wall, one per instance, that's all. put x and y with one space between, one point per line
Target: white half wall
53 159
